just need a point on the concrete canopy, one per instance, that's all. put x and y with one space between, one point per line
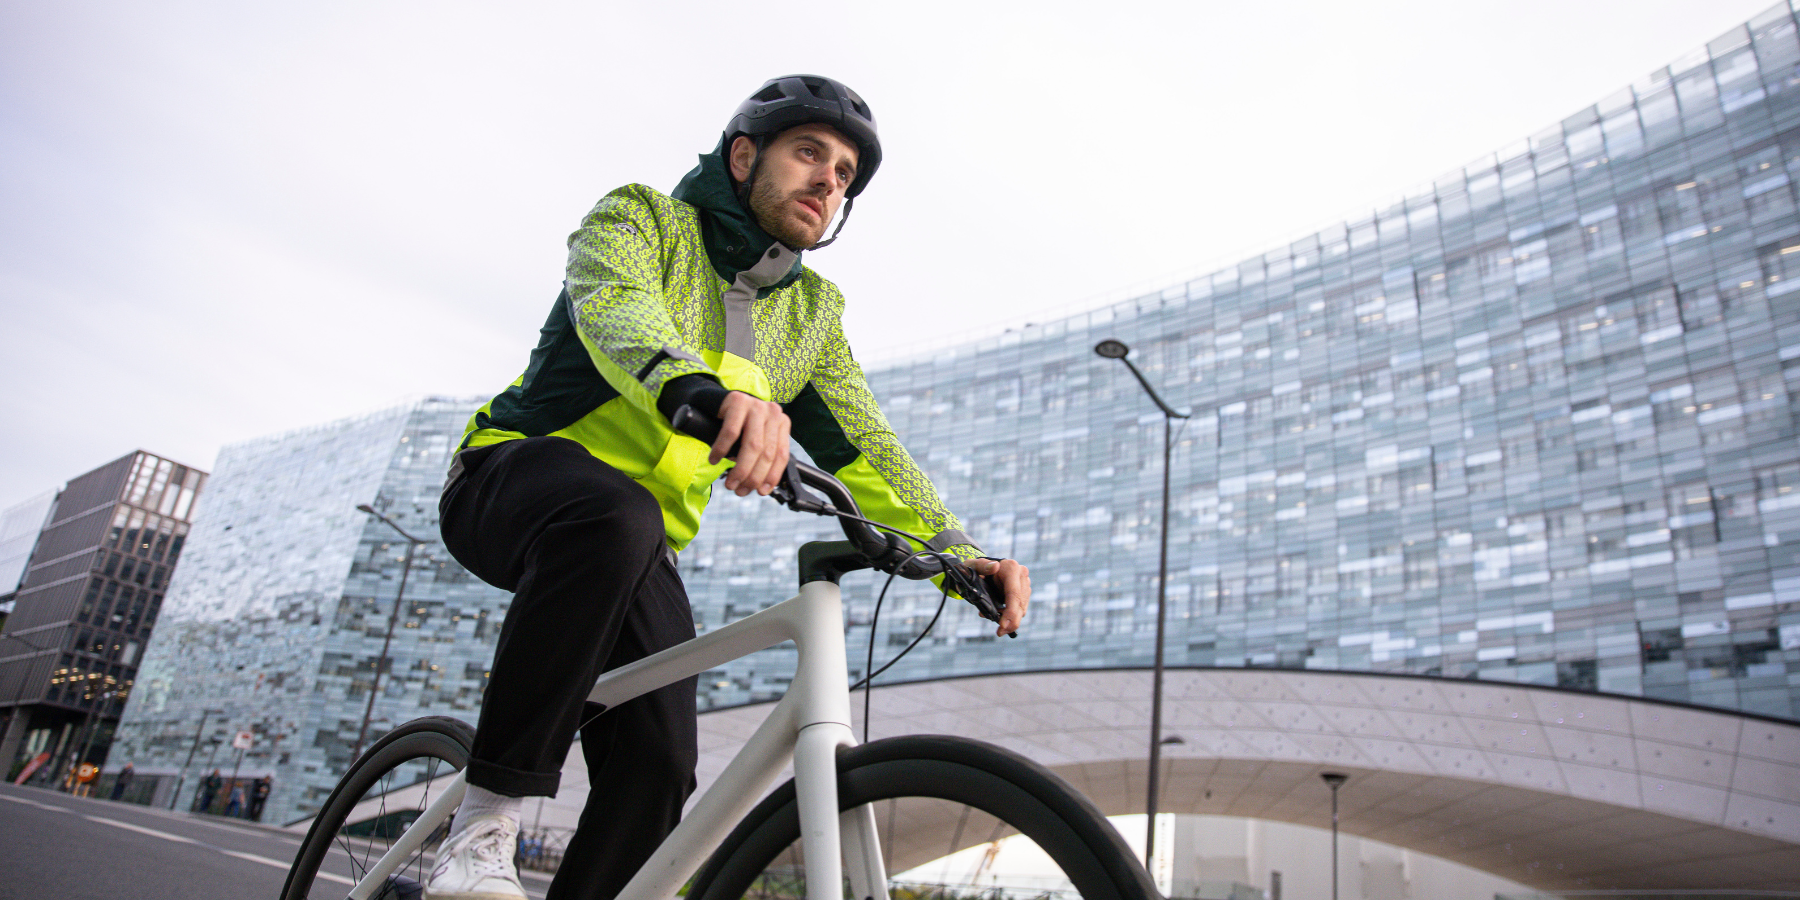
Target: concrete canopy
1556 789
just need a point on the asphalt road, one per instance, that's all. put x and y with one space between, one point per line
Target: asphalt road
53 845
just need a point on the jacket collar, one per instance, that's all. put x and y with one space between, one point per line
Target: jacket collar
734 242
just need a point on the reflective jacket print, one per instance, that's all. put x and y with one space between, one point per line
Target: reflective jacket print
643 304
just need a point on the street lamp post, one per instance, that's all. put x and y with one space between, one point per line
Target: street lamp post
1113 349
1336 780
181 777
412 544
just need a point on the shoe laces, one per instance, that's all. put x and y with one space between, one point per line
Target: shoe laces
489 848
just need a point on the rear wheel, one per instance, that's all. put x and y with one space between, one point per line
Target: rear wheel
385 791
933 795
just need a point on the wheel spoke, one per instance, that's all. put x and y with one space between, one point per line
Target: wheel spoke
384 794
975 795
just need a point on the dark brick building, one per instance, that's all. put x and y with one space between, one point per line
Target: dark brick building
84 609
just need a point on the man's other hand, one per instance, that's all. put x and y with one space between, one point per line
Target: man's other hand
1016 579
763 455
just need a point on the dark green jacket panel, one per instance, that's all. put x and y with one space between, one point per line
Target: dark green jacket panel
559 385
818 430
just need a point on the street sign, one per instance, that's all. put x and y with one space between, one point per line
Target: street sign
243 740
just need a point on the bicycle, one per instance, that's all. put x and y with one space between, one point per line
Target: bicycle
811 833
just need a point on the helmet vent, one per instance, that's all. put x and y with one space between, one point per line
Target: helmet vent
791 100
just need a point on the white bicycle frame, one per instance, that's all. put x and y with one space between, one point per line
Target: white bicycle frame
808 725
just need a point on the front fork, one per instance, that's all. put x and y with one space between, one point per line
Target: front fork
825 834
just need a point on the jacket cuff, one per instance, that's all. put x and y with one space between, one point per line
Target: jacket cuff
965 552
702 392
951 537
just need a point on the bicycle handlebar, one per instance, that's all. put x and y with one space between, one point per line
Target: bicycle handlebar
884 549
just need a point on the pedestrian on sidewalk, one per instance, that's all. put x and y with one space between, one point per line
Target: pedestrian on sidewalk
209 788
236 804
259 794
122 781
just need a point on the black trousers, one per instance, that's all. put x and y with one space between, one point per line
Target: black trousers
582 547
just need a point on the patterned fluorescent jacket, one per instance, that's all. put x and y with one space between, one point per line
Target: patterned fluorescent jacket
644 305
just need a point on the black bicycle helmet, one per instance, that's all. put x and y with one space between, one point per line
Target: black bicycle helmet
793 100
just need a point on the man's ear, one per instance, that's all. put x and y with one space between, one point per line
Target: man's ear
741 156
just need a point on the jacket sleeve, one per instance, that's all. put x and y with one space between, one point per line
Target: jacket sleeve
838 422
614 282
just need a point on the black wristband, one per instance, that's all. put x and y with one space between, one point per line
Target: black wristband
702 392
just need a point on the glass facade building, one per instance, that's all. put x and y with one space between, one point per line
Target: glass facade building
275 622
1535 422
19 528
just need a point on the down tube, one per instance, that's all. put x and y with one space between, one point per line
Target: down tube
814 621
728 800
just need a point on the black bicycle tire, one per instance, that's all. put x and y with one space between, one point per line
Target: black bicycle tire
441 737
1025 795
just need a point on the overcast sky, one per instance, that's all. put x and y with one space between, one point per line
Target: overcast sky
223 220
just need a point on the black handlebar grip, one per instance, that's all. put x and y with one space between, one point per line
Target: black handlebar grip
700 426
984 592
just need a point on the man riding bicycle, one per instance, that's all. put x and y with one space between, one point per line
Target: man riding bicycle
571 490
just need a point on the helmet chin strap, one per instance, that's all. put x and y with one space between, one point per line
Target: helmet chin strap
842 218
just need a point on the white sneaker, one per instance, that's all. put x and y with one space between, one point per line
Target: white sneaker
476 863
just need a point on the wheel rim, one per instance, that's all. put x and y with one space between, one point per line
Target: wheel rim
958 785
385 793
383 812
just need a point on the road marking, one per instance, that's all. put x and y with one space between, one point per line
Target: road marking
278 864
33 803
235 829
251 857
247 857
141 830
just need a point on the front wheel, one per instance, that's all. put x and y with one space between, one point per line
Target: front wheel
384 792
934 795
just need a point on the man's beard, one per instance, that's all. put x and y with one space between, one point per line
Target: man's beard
766 204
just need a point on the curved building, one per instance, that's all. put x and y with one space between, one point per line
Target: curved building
1536 423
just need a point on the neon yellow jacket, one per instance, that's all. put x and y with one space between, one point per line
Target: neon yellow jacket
641 306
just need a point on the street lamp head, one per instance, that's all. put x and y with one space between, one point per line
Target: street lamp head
364 507
1112 349
1335 779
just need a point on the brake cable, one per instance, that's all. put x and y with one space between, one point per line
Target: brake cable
868 681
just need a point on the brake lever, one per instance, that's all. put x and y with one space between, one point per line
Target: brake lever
795 495
984 592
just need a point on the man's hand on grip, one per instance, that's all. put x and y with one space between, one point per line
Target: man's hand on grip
763 452
1017 581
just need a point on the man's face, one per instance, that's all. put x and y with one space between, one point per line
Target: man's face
801 182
